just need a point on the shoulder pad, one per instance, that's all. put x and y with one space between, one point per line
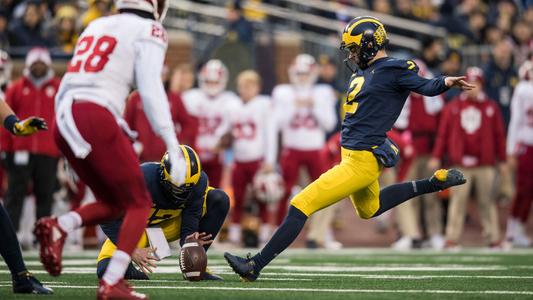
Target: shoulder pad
154 32
282 90
402 64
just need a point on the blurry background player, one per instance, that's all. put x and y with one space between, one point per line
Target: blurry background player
180 210
520 155
305 111
32 159
23 281
148 145
471 133
253 132
212 104
419 119
113 55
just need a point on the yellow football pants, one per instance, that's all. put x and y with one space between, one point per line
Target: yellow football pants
356 176
171 229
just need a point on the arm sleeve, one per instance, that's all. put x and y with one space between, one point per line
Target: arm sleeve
6 138
324 109
148 68
190 220
409 79
516 119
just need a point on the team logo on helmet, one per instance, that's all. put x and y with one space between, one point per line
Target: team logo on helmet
363 37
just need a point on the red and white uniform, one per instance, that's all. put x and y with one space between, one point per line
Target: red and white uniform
254 132
520 144
213 113
254 142
303 129
113 55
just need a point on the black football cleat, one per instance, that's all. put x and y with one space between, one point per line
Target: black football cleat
133 273
444 179
210 276
25 283
244 267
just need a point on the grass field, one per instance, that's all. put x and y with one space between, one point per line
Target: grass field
304 274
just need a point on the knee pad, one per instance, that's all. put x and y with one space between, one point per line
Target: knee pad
218 200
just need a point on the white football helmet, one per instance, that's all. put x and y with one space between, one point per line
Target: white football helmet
268 187
303 71
5 68
213 77
157 7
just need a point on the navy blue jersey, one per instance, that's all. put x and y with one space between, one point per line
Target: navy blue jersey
163 207
376 97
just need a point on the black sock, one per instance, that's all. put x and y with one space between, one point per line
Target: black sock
282 238
396 194
9 247
217 208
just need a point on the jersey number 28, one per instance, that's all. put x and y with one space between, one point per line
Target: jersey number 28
96 60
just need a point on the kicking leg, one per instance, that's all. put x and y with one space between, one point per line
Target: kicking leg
395 194
357 170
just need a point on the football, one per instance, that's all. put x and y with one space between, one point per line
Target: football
193 260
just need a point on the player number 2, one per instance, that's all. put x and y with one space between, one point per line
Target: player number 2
355 87
97 59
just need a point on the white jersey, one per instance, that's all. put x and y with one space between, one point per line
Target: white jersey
113 55
521 125
254 131
213 115
304 126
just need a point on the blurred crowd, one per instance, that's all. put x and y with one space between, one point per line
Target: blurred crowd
223 109
54 24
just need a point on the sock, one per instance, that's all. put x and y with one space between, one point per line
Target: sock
217 210
98 212
117 267
395 194
282 238
9 246
69 221
132 228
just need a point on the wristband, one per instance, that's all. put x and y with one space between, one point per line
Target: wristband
9 123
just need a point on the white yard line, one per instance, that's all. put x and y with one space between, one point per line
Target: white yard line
307 290
298 252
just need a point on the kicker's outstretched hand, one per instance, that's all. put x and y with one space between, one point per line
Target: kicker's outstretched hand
458 82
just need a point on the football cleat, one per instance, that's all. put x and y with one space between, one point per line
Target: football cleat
134 274
52 239
244 267
120 290
444 179
25 283
209 275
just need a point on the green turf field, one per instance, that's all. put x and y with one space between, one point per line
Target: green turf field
303 274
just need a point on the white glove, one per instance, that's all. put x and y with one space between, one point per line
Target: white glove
178 166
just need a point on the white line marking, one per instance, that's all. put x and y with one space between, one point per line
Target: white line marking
249 289
379 276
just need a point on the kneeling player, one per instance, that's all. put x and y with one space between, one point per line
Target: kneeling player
180 211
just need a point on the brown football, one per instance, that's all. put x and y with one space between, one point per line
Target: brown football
193 260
